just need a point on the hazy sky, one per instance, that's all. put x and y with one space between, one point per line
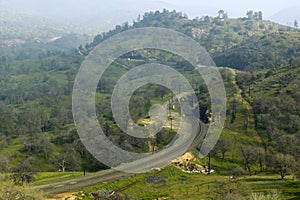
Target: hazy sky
108 13
269 7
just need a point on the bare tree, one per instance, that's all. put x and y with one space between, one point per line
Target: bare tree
233 104
261 158
223 146
296 24
3 163
221 14
248 156
260 15
284 164
68 159
23 173
250 14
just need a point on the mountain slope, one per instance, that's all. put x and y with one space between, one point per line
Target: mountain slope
238 43
260 52
287 16
37 130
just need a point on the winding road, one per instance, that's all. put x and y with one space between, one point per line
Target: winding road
181 142
106 175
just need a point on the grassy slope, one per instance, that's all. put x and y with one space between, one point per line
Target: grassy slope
28 75
239 132
191 186
179 185
279 82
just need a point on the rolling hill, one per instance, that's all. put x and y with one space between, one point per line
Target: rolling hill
38 134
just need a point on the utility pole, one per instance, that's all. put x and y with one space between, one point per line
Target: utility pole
209 168
170 114
169 100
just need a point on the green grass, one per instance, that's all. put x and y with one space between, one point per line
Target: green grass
44 178
179 185
267 86
287 187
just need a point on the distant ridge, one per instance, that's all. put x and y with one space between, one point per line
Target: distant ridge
287 16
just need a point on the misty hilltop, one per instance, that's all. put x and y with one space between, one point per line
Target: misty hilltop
287 16
259 61
104 15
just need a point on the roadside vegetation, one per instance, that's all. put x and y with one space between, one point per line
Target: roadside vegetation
257 156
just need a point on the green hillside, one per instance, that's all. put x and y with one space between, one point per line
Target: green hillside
241 43
255 158
259 143
261 52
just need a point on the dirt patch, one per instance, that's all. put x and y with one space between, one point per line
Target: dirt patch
62 196
184 159
187 162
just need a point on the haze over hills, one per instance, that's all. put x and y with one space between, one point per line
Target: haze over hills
34 76
37 131
105 15
18 28
100 15
287 16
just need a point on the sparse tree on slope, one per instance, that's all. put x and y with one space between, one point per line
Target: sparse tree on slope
296 24
284 164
